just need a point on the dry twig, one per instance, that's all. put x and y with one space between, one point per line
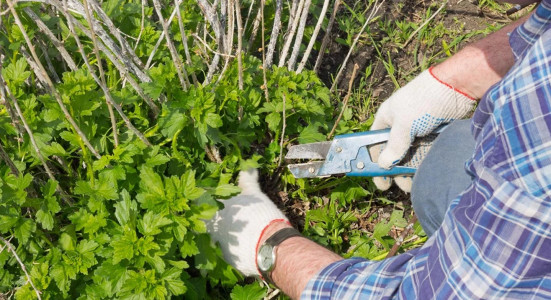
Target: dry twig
372 14
402 236
275 33
345 101
23 268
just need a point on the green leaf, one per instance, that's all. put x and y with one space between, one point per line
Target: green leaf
151 223
226 190
310 134
273 119
46 219
214 120
171 122
125 208
23 229
173 282
17 71
251 291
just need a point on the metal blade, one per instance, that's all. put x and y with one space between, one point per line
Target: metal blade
309 151
306 170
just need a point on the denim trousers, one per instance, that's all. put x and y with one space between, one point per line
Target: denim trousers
442 177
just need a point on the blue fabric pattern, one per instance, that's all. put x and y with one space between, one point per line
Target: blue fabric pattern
495 240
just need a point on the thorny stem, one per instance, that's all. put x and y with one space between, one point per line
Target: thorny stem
43 73
23 268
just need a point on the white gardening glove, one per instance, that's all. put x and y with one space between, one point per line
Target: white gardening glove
237 227
415 110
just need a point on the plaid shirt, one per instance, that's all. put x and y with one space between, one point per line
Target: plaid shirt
495 241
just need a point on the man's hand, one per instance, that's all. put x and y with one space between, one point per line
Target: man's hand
239 225
415 110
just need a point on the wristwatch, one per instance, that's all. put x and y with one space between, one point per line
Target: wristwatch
266 256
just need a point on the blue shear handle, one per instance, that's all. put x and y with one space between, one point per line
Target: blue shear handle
376 171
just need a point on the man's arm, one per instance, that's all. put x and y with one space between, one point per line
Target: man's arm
481 64
298 260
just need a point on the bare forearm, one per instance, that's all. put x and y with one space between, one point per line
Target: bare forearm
298 260
481 64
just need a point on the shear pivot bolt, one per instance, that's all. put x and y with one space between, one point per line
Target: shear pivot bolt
339 149
360 165
311 170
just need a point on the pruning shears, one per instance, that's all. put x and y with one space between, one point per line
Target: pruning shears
346 154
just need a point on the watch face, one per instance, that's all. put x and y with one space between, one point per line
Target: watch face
265 258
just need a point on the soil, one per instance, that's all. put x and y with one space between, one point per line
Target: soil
461 15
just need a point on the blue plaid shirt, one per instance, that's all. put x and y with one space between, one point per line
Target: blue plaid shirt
495 241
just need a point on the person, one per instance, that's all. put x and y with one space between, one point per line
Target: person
493 238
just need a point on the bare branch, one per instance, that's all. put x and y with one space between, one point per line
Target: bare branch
59 45
300 34
290 35
6 91
210 13
321 17
184 40
102 83
101 74
6 158
402 236
49 82
161 37
327 35
180 70
256 25
273 37
239 43
23 268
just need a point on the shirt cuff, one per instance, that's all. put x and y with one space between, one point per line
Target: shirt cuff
321 285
